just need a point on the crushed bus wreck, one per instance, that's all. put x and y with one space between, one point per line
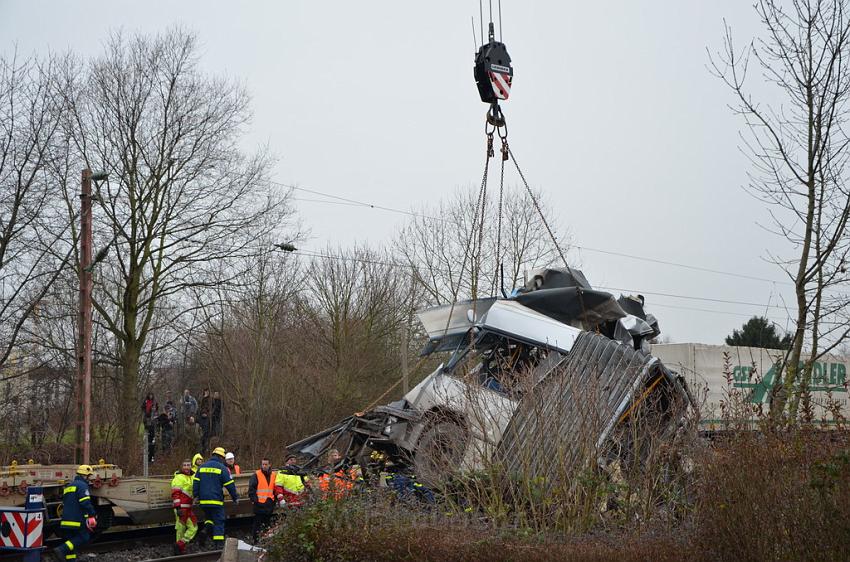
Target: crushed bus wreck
542 381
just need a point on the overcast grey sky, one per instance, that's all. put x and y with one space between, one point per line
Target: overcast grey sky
612 113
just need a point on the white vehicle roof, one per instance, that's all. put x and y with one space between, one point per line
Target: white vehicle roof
513 319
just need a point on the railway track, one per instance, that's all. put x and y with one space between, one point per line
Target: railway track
127 539
210 556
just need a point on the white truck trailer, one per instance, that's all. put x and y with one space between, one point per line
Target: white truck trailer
716 372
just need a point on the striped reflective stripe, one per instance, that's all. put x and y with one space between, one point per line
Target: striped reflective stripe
70 545
229 482
209 470
70 556
196 479
209 522
212 502
69 489
218 537
84 498
71 524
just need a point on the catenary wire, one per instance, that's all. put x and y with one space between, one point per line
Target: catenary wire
357 203
315 254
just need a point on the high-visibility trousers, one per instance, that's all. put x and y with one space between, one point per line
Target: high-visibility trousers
214 522
185 524
74 539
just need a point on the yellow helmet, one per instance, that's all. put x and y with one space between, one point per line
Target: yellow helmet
219 451
85 470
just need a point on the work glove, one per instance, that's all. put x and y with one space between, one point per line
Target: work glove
176 503
91 523
281 502
280 497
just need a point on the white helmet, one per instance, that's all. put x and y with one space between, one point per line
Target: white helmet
229 457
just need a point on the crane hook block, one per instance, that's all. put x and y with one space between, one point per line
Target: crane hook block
493 71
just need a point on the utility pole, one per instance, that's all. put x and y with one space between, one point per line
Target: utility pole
83 433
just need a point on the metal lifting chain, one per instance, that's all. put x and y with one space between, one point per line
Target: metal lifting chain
539 210
480 213
504 150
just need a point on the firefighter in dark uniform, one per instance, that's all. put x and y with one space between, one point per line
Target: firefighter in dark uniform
207 486
78 515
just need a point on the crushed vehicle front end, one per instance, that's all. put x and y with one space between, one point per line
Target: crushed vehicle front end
542 378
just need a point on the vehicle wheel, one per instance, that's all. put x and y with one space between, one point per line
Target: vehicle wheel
440 451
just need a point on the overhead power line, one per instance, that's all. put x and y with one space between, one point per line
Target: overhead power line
682 265
690 297
357 203
316 254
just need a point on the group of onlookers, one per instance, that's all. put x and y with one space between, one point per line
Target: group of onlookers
190 421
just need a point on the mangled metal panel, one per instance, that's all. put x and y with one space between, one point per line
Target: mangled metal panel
448 325
566 295
569 416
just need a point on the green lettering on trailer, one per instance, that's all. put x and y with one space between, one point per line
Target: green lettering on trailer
826 377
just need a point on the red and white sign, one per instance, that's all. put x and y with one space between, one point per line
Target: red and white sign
21 529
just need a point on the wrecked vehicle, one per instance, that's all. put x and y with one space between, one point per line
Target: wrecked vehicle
540 381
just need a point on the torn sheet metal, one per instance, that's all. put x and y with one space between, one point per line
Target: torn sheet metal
569 418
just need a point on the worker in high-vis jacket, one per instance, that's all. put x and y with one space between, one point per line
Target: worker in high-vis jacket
78 515
290 484
261 491
185 520
197 461
207 486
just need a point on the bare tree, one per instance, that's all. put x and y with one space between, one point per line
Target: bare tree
182 204
435 241
243 349
355 309
302 345
799 149
30 117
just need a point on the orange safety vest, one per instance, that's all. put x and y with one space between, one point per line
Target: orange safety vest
337 485
265 488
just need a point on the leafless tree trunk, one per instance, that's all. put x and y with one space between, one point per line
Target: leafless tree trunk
799 152
182 204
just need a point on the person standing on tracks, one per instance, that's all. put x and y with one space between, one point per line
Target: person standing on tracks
261 491
78 515
185 520
207 486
